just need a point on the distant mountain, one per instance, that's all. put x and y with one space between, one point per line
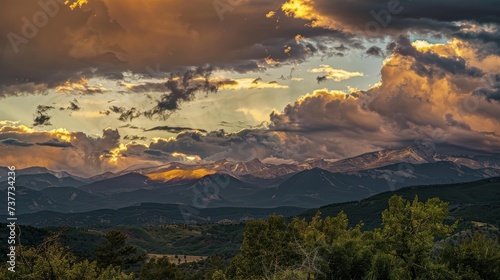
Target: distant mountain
72 199
308 188
309 184
476 162
255 171
124 183
30 201
315 187
264 174
254 168
219 190
42 181
311 188
441 172
414 154
37 170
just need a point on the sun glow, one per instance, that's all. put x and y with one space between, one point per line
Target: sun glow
180 174
114 154
62 134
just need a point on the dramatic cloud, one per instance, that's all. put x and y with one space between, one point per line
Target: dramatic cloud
440 106
144 61
78 153
432 91
431 64
463 19
215 83
182 89
446 105
104 39
325 111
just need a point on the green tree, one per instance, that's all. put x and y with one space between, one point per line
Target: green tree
160 269
409 230
315 240
51 261
219 275
477 257
114 251
330 250
268 246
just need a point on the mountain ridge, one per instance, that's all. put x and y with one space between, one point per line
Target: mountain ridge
413 154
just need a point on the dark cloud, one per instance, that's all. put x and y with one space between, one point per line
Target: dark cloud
55 143
341 48
14 142
432 64
105 39
129 126
174 129
490 91
321 79
134 137
375 51
377 18
125 114
41 117
162 86
182 88
73 106
257 80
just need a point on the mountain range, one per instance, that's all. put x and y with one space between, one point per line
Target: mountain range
309 184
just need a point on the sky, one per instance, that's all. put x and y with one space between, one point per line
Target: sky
92 86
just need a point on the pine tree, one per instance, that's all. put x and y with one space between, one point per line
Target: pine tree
114 251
